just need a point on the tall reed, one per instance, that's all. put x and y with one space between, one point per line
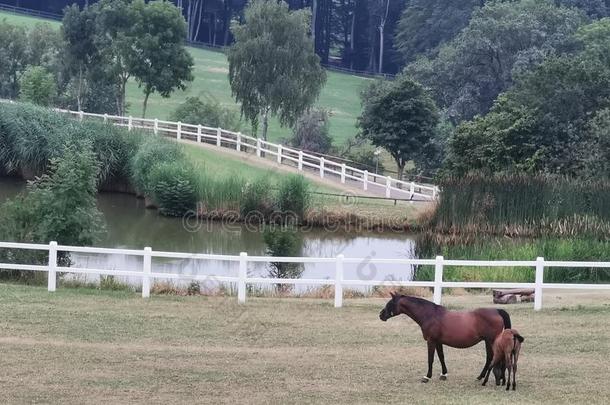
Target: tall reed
522 205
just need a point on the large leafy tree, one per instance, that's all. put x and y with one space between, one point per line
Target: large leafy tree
399 117
502 40
544 122
425 24
273 69
163 64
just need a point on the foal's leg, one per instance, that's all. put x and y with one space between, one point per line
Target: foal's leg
509 367
515 375
441 357
489 350
431 349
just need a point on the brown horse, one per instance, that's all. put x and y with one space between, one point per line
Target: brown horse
452 328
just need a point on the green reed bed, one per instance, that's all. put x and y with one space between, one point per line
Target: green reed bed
521 205
503 248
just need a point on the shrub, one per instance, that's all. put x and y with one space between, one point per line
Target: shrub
154 151
174 188
255 200
59 206
311 132
38 86
293 197
207 112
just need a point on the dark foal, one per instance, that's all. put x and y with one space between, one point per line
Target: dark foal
452 328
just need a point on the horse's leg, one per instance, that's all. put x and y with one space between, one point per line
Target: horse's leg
431 349
489 350
441 357
487 372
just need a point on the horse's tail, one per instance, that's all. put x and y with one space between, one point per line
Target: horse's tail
506 318
518 337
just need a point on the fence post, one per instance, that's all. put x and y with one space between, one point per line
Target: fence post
81 115
365 184
321 167
179 131
300 160
434 191
388 183
412 190
52 266
218 136
343 173
199 133
105 118
438 280
539 282
130 123
243 273
147 269
279 154
339 282
238 143
156 126
258 147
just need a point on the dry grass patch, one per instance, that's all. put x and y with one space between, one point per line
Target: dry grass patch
78 346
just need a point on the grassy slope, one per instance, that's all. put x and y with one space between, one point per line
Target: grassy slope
117 347
340 95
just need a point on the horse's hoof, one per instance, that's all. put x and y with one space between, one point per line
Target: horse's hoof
425 380
443 377
479 377
483 383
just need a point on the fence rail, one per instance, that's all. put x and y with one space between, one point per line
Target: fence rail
284 155
146 273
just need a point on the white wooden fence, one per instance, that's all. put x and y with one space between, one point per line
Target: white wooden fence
339 281
324 167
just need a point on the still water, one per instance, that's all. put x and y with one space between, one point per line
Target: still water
129 225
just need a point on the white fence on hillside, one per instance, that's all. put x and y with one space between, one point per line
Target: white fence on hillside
339 281
325 168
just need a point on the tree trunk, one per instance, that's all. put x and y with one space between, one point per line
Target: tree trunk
146 94
314 12
381 49
79 89
265 123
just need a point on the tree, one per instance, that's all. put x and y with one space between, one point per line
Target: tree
78 31
38 86
400 117
502 40
117 24
13 58
163 64
544 122
311 132
283 241
273 69
425 24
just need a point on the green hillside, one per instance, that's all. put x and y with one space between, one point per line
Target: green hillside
340 95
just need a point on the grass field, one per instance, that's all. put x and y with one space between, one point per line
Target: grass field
78 346
340 95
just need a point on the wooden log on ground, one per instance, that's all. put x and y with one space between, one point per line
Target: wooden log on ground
505 297
514 291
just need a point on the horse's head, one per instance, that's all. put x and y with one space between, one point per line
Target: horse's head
390 309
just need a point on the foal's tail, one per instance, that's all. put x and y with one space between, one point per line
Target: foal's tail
506 318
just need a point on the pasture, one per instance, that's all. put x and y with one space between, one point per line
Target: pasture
92 345
340 95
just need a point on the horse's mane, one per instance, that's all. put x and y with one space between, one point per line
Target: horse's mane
417 300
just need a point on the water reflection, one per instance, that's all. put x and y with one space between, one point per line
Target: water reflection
130 225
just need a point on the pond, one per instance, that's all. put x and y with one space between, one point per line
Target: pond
130 225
